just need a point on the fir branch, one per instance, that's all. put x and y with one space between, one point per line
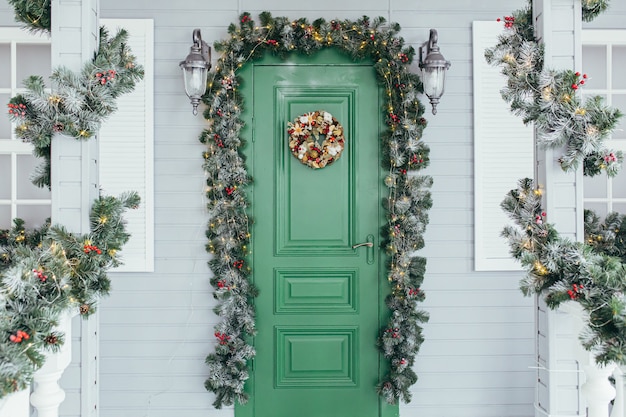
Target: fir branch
35 14
46 272
593 8
78 103
551 99
591 274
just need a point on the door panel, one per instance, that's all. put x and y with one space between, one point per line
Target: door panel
317 222
318 307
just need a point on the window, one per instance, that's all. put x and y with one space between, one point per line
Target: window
604 58
21 54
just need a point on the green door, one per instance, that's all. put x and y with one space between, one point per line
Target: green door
318 309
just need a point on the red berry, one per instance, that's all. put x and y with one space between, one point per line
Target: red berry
574 86
582 82
577 74
13 338
584 75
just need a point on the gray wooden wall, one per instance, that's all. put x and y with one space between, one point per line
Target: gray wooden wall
156 328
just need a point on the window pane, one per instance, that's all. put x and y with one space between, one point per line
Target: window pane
26 165
594 64
5 123
5 217
619 63
619 185
619 101
33 60
34 216
5 66
619 207
599 208
595 187
5 177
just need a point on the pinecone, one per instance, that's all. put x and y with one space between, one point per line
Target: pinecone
51 339
84 309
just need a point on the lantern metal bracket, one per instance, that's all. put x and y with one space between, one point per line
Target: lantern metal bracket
199 59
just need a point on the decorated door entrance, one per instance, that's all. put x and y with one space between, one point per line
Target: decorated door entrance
315 238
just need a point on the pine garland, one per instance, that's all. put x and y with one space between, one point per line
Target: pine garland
78 103
592 8
36 13
49 271
591 274
227 179
549 99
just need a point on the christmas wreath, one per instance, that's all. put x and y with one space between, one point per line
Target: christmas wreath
304 136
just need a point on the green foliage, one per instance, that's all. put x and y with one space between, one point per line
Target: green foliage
46 272
608 237
78 103
35 14
591 274
549 99
592 8
407 203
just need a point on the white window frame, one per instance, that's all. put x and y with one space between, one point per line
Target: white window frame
12 146
608 39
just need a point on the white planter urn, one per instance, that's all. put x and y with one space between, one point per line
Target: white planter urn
597 389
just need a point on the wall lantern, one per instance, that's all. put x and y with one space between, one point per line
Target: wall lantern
195 69
434 67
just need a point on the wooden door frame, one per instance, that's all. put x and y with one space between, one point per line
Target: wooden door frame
332 56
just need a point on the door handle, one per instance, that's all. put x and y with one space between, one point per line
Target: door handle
369 244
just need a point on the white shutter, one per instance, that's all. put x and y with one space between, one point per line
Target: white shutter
127 148
503 154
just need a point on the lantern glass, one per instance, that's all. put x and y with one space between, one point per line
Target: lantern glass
195 81
195 68
434 80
